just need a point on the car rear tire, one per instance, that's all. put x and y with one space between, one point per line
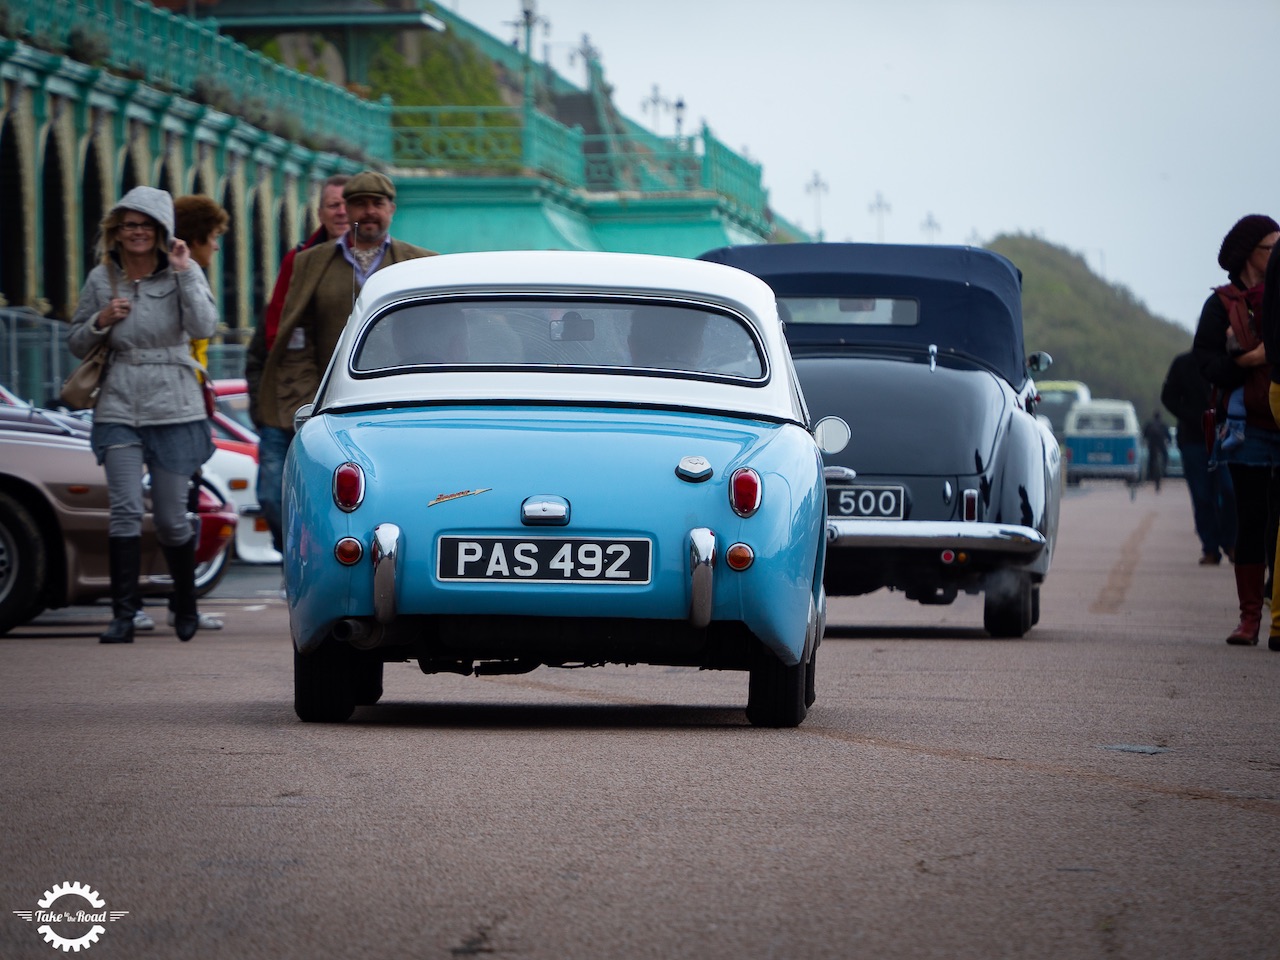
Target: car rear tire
776 693
23 564
322 687
366 679
1008 609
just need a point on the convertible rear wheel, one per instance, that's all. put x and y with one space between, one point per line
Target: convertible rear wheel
322 684
1008 608
23 558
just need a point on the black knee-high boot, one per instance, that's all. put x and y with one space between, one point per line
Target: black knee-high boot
182 568
125 559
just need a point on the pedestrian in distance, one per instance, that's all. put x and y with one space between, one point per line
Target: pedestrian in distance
1187 395
1155 434
148 298
1229 352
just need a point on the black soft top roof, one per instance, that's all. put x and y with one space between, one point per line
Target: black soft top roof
970 299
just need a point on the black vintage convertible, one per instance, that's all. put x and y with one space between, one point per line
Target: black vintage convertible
950 482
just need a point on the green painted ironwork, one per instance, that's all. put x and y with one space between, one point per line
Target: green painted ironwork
192 58
731 175
490 138
494 139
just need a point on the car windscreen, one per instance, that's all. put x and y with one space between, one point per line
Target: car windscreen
556 334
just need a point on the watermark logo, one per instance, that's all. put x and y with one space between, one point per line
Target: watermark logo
63 905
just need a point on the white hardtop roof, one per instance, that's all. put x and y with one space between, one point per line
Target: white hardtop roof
549 274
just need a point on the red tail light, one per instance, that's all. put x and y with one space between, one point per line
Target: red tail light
348 486
745 491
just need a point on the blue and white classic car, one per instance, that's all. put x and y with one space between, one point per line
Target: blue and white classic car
950 483
566 459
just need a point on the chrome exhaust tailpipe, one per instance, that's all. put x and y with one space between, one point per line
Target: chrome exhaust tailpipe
359 633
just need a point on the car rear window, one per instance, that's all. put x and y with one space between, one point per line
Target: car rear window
851 311
608 336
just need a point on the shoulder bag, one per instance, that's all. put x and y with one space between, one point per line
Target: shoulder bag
80 390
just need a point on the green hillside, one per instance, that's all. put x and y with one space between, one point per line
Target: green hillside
1096 331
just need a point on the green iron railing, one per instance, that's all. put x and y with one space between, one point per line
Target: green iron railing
461 139
486 138
193 59
732 175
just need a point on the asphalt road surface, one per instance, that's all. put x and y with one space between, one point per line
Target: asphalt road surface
1108 786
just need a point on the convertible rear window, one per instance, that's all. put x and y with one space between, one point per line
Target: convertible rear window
851 311
607 336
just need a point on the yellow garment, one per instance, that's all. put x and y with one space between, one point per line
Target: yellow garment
200 354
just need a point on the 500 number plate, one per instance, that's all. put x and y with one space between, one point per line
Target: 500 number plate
544 559
866 502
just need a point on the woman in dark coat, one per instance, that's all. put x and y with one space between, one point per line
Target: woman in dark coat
1229 352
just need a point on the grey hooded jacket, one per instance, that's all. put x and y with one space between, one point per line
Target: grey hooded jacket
151 380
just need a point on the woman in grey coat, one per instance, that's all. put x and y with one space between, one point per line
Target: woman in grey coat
149 299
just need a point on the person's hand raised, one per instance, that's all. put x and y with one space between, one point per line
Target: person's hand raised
179 255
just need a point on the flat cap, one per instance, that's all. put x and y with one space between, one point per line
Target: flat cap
369 182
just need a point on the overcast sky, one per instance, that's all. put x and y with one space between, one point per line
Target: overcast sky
1132 132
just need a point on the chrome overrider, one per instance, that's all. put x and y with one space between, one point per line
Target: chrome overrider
702 561
386 549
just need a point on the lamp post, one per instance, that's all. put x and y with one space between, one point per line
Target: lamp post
878 209
679 108
930 226
529 18
656 102
817 186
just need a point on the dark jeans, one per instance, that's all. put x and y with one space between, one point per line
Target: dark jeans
1213 499
273 446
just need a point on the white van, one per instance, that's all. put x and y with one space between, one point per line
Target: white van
1102 439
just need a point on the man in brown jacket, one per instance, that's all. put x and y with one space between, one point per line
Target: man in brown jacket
326 281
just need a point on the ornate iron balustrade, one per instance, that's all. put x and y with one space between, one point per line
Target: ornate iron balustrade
732 175
193 59
642 164
492 138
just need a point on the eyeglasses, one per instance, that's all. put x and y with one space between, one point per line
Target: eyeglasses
134 225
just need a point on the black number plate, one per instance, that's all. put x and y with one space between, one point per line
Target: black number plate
866 502
544 559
